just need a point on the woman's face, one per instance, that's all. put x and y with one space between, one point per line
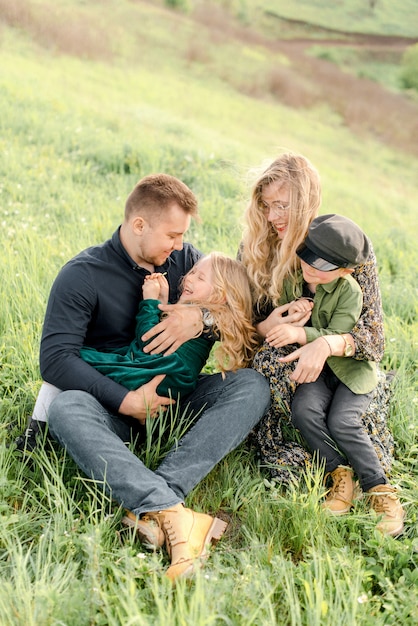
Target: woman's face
275 199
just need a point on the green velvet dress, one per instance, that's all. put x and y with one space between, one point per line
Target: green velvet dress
132 367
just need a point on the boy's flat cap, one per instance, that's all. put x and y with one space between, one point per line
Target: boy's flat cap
334 241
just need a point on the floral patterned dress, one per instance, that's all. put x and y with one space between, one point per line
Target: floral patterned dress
281 447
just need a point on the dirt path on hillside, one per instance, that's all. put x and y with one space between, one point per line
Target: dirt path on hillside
364 105
344 38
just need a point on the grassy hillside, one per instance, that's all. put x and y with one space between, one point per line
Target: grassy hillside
379 17
92 97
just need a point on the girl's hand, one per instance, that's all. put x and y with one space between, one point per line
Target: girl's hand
156 287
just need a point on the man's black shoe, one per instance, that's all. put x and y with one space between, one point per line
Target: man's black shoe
28 441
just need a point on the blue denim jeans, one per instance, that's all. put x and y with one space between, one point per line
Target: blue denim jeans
96 439
328 415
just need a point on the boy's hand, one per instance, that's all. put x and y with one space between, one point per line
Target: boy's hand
302 305
277 316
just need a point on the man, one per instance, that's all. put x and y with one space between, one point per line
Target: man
93 302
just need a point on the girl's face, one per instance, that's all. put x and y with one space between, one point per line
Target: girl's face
197 284
275 199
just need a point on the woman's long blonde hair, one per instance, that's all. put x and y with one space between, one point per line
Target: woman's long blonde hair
268 259
230 305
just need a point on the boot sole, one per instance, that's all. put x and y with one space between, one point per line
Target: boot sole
398 531
394 533
216 531
337 513
214 534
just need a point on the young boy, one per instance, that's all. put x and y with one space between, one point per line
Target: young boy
327 412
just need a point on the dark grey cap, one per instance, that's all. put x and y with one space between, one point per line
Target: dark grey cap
334 241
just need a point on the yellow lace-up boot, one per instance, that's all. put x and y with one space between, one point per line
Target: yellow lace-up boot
188 536
339 499
385 502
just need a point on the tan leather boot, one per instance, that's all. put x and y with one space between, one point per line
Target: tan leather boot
385 502
188 536
147 528
340 497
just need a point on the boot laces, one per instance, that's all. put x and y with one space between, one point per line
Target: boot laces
339 483
170 533
382 503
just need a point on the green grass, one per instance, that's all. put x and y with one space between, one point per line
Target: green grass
78 128
357 16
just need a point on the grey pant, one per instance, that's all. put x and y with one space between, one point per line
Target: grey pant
328 415
95 439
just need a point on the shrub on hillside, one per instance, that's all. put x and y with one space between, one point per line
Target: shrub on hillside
409 76
181 5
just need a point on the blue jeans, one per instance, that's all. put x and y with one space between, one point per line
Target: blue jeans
328 415
95 439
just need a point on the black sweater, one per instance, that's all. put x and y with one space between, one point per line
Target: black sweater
93 302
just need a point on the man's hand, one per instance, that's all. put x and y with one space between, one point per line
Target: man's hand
145 401
182 323
284 334
311 359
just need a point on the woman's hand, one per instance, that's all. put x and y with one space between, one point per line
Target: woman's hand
284 334
311 359
312 356
183 322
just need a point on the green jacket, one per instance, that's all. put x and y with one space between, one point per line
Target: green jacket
132 367
337 307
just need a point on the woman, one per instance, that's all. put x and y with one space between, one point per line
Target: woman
285 199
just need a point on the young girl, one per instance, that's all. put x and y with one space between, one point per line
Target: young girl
219 285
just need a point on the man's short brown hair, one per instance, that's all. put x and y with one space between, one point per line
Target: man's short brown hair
156 193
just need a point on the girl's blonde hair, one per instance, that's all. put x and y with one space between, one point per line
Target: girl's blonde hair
268 259
230 305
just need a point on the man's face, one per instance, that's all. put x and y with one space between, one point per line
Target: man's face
159 237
